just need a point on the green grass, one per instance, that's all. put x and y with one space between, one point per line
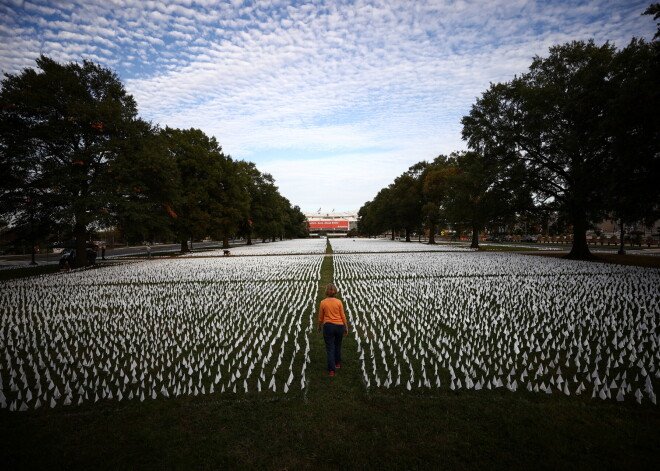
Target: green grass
505 248
337 427
337 424
14 273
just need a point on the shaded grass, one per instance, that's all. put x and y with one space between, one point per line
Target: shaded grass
337 425
469 430
648 261
505 248
13 273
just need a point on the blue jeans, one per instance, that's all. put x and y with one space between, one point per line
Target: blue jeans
333 334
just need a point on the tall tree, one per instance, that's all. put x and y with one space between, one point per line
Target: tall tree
208 185
634 124
381 213
263 210
229 200
654 9
551 119
434 191
366 222
296 223
406 194
62 128
479 190
147 187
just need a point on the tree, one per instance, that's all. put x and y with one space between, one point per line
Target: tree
230 200
378 216
63 128
296 223
263 211
434 188
479 190
147 187
365 220
634 124
209 199
552 120
406 192
654 9
584 123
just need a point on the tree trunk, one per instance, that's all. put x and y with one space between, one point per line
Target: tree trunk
80 235
33 243
475 237
621 251
249 237
184 245
580 249
273 238
431 233
393 233
263 240
225 242
407 235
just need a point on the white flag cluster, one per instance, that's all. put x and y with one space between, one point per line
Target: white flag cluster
344 245
157 329
283 247
488 320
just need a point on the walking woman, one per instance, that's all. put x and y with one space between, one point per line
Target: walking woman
333 322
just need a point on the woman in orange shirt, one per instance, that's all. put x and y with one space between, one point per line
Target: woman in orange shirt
334 324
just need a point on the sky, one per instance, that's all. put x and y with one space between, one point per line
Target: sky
334 98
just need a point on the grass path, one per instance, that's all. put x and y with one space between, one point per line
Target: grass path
347 381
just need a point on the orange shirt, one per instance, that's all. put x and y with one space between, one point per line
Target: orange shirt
332 312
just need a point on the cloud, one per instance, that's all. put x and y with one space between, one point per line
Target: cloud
371 86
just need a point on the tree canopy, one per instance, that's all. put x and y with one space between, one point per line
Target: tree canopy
577 135
75 155
565 121
64 128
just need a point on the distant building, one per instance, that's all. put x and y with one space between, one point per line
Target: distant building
333 224
613 227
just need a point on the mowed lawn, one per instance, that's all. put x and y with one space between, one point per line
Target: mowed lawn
337 423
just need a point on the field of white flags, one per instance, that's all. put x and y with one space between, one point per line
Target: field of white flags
478 321
158 329
343 245
283 247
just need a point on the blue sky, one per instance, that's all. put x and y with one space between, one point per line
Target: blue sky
334 98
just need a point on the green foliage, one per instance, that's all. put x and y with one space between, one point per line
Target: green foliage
635 129
150 186
464 189
211 196
75 155
565 120
378 215
65 130
296 223
406 192
434 191
654 9
479 190
264 217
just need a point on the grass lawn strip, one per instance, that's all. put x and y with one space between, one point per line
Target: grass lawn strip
386 429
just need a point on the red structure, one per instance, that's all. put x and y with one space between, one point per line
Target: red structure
328 225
